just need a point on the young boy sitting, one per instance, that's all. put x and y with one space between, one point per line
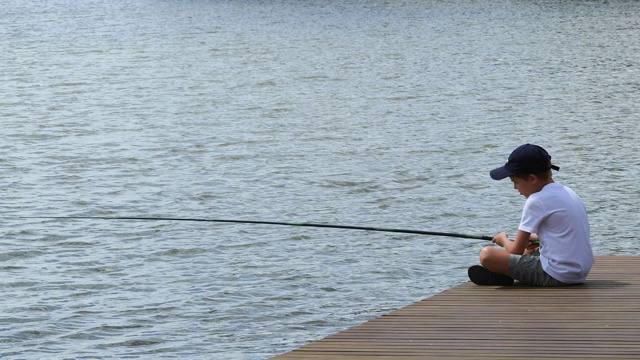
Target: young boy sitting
552 214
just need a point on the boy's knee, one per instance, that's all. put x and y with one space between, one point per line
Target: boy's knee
485 256
495 259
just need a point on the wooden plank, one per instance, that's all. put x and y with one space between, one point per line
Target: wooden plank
598 319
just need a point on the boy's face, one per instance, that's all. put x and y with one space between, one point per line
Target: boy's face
525 186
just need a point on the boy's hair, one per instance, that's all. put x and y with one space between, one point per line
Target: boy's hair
544 176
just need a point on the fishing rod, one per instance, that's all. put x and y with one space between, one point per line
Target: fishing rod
299 224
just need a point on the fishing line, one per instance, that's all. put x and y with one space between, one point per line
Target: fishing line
298 224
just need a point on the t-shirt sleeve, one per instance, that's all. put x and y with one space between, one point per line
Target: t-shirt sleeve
532 215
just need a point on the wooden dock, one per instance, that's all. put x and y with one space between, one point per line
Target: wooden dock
598 319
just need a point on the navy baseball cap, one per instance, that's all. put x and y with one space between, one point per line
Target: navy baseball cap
525 159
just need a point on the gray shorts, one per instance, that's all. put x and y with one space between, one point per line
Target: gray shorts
528 270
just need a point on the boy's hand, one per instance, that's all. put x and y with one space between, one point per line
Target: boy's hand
534 242
532 247
501 239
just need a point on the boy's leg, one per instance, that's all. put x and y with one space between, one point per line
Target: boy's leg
528 270
495 259
495 264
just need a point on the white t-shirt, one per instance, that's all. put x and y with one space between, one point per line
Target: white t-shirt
559 217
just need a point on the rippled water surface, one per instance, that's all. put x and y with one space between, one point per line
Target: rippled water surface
370 113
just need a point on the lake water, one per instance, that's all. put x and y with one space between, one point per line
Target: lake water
369 113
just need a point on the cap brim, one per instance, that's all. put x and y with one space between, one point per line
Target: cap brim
500 173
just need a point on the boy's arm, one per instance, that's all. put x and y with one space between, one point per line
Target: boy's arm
517 246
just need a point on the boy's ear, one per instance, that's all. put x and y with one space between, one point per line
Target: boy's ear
533 178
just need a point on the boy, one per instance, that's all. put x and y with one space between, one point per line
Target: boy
552 214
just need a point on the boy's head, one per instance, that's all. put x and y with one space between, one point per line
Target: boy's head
524 160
